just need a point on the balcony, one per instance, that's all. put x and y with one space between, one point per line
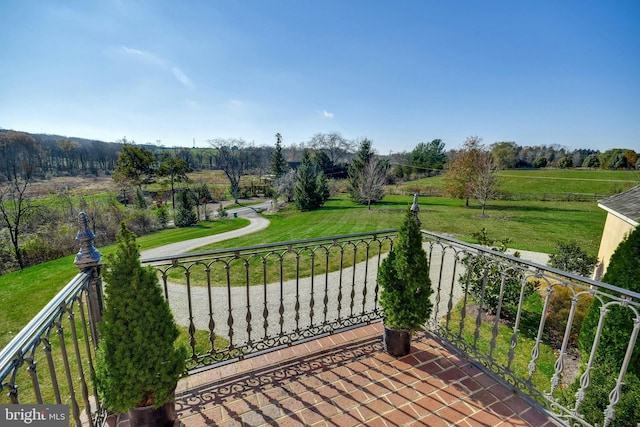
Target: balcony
289 334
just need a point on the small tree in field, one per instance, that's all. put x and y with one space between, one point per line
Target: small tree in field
185 214
484 186
462 170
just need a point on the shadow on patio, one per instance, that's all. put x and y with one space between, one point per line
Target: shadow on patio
347 379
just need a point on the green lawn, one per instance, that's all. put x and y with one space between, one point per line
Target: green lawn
531 225
549 181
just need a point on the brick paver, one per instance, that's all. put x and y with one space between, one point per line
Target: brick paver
349 380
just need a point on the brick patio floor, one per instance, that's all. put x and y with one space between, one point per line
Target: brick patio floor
348 379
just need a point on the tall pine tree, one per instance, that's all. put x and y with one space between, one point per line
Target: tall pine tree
279 165
311 186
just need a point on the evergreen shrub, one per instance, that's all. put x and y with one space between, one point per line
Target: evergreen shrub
137 362
403 277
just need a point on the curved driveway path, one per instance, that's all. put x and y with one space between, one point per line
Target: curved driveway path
257 223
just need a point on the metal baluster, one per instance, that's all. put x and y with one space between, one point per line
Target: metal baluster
516 326
76 347
312 299
297 317
559 365
585 379
436 306
326 286
614 396
281 308
265 310
366 279
192 327
451 291
65 358
476 333
229 306
32 369
463 314
87 349
353 280
212 321
13 394
535 352
340 282
248 316
46 346
496 318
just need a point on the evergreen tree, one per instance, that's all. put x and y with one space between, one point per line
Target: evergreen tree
137 363
309 192
405 286
185 214
622 272
279 165
162 215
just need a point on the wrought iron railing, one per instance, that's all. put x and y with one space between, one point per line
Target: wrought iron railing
514 317
239 302
50 361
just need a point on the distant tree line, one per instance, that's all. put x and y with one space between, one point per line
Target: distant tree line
56 155
305 174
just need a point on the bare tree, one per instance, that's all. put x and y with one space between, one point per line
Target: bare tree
371 183
286 185
20 154
336 147
233 156
484 186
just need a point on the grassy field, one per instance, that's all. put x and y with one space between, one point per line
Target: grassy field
530 225
550 181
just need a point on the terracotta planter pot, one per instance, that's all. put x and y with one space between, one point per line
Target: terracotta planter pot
148 416
397 342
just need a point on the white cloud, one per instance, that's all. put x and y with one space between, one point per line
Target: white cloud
142 55
327 115
152 59
182 78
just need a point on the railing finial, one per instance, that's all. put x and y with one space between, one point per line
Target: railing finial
415 208
88 255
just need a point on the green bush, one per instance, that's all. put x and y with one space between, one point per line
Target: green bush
602 381
570 257
403 277
491 291
558 315
618 325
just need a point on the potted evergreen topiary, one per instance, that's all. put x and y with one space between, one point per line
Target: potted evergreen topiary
405 287
137 364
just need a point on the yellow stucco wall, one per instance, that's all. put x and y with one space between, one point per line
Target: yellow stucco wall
615 230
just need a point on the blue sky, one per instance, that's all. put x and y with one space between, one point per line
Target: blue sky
397 72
